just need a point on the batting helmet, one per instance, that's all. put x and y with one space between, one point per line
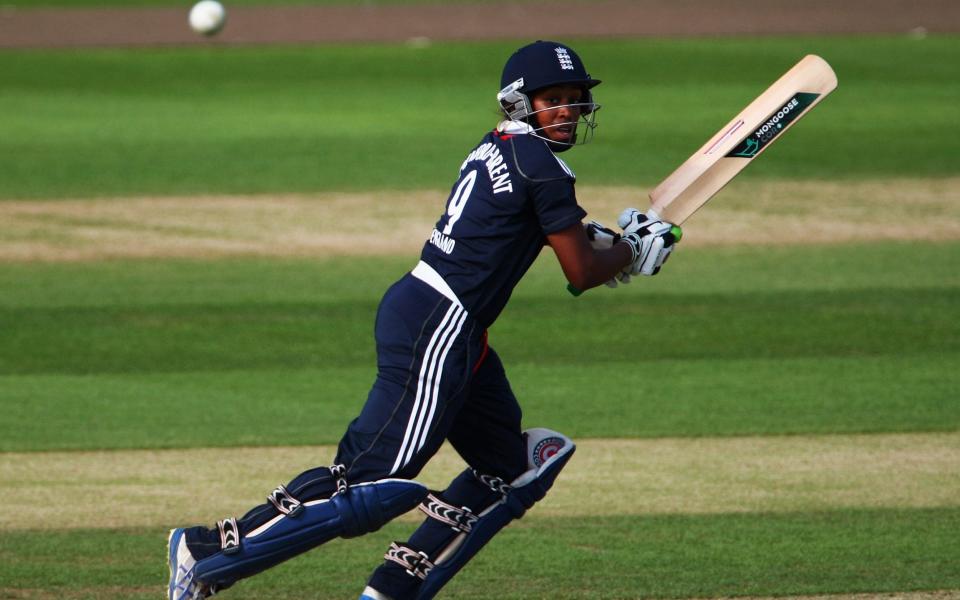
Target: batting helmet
540 65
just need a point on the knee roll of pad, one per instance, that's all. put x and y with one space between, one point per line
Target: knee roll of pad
547 453
362 508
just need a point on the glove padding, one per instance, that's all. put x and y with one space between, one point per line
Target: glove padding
603 238
651 241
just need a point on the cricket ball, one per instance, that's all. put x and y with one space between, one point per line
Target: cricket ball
207 17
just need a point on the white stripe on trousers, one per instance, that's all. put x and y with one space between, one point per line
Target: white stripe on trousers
428 385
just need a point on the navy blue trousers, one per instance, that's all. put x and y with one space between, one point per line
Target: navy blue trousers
436 379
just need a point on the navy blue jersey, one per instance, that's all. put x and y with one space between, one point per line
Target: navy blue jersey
511 193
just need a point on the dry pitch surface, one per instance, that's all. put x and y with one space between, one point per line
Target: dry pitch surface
370 21
635 477
779 212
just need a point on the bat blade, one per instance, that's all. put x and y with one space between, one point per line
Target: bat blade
743 139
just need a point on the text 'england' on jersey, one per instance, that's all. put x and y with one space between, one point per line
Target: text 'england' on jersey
511 192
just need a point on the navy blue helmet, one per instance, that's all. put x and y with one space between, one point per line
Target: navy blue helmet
540 65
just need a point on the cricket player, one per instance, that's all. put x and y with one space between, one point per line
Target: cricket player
437 377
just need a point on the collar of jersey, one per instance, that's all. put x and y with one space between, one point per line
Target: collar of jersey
514 127
507 128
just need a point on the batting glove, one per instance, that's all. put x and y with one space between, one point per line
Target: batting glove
651 241
632 220
602 238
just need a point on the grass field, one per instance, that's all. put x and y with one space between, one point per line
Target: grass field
188 296
298 119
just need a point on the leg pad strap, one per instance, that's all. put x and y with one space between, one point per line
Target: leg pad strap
459 519
547 454
417 564
363 508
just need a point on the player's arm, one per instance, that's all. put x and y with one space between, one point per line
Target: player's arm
584 266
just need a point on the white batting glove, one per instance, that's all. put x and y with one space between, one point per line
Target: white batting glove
632 220
602 238
651 241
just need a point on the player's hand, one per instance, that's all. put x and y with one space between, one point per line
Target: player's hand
651 241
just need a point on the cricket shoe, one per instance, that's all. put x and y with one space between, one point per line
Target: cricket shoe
371 594
183 586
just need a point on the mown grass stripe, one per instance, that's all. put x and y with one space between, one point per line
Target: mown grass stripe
703 397
765 212
113 122
633 477
283 335
678 556
333 280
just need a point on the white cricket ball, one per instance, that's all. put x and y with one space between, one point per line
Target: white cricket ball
207 17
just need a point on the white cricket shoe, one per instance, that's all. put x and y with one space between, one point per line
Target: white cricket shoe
182 584
371 594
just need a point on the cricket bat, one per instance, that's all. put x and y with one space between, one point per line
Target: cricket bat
741 141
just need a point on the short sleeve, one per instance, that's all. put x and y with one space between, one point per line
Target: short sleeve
556 205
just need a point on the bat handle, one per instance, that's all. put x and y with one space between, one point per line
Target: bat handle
675 230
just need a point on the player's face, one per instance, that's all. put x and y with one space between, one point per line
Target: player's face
558 120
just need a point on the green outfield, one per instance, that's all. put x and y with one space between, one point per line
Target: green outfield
256 120
665 557
843 351
776 414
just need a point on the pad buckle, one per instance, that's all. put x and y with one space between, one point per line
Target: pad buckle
339 473
284 502
416 564
459 519
229 536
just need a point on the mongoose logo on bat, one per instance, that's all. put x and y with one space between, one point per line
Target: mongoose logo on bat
776 124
